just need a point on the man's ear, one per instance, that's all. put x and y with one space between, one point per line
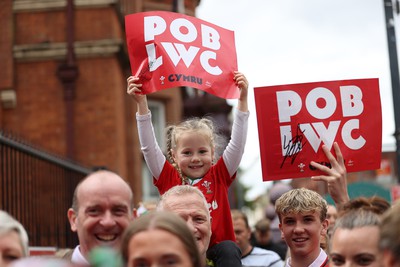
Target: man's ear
280 228
72 219
248 233
134 214
325 225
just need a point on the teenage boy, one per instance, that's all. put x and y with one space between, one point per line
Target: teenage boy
302 221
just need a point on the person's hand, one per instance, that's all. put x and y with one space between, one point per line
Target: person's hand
134 89
243 85
336 177
241 82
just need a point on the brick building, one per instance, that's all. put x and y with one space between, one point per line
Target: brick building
63 83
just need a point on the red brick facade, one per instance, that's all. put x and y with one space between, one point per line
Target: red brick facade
34 44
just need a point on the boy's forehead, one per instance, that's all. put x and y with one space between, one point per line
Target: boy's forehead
288 214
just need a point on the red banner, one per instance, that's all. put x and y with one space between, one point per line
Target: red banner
295 120
168 49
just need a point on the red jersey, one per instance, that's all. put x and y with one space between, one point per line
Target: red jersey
214 186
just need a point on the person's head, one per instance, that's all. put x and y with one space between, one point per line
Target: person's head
102 208
190 204
302 217
13 240
159 238
191 147
331 215
389 241
277 190
354 240
242 230
375 204
270 212
263 231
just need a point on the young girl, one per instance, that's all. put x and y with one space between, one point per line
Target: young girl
191 152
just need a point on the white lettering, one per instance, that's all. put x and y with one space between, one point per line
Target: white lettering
350 142
321 133
175 29
204 61
153 25
178 51
289 104
330 103
154 62
352 104
210 37
184 31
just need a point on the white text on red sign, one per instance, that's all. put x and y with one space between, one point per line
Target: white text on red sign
185 32
290 103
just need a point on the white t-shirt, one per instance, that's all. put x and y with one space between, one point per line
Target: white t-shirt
320 261
77 257
259 257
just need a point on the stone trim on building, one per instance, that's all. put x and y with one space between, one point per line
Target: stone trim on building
41 5
47 51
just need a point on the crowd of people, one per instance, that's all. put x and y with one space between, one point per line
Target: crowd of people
178 231
192 225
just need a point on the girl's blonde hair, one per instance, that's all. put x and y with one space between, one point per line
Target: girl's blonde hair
203 125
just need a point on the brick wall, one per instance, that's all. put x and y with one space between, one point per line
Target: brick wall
104 126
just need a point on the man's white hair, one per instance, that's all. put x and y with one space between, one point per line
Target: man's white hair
178 191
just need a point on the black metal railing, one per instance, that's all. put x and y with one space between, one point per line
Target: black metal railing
36 188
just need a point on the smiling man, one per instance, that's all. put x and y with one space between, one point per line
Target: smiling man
102 208
190 204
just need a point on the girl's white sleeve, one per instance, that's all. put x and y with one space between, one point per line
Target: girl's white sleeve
234 151
152 153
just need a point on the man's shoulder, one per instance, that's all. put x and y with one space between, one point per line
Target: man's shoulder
261 251
262 257
65 253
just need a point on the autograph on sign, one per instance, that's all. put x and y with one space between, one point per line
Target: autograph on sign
292 147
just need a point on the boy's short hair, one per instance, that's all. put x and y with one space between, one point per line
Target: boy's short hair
301 200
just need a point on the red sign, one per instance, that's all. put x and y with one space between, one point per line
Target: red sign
168 49
295 120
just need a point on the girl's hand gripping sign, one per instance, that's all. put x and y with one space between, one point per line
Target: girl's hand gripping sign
295 120
169 49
